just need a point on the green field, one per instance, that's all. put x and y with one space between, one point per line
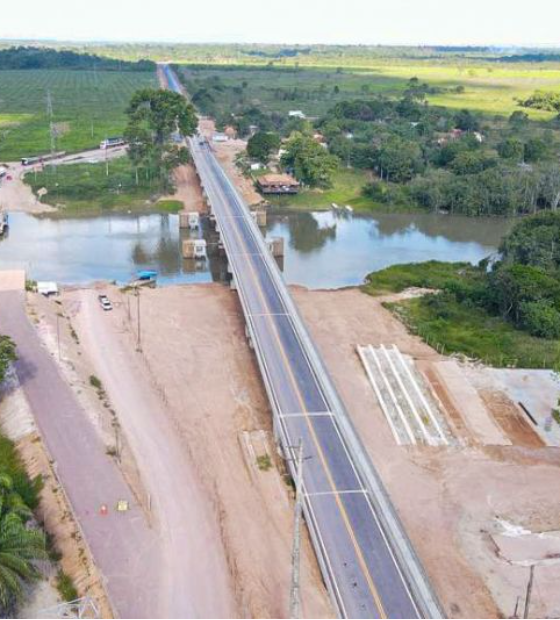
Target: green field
86 188
431 274
87 107
347 185
490 88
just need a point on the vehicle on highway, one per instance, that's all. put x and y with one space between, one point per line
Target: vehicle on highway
3 223
29 161
110 143
105 303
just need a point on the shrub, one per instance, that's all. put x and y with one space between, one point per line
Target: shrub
541 319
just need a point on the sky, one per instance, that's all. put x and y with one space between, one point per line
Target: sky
385 22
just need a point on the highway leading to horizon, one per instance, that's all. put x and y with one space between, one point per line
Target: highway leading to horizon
358 561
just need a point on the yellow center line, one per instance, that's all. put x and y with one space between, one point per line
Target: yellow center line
322 457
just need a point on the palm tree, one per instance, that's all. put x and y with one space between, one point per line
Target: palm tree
11 501
20 546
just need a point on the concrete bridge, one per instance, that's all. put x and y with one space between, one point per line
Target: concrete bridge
368 564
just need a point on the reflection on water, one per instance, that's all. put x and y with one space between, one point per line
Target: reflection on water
333 249
322 249
111 247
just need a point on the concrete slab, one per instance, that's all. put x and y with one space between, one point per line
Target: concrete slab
13 280
471 407
538 390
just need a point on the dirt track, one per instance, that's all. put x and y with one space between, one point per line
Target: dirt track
188 531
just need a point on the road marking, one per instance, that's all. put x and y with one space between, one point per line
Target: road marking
361 353
261 314
331 493
419 422
389 389
328 473
418 391
311 414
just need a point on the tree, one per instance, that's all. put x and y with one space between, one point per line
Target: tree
7 355
535 150
466 120
471 162
551 186
540 318
541 100
534 241
310 162
20 547
511 148
153 117
399 159
518 119
262 144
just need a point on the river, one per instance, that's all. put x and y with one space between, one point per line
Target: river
322 249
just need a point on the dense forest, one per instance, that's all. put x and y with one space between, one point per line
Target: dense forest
445 160
523 286
318 53
44 58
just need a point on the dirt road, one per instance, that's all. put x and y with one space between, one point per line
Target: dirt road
16 195
196 580
124 547
195 414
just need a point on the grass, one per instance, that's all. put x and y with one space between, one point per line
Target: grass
87 106
456 328
87 188
432 274
347 185
490 88
66 587
264 463
96 382
169 206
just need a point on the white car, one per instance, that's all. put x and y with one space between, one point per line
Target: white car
105 303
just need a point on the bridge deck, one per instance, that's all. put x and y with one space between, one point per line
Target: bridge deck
358 561
362 570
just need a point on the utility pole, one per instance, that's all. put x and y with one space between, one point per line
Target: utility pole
58 334
295 598
529 591
139 332
52 128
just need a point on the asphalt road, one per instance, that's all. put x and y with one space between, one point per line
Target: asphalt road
125 549
358 560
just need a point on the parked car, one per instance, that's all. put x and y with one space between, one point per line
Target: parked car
105 303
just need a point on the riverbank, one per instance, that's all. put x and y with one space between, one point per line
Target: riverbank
460 313
93 183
